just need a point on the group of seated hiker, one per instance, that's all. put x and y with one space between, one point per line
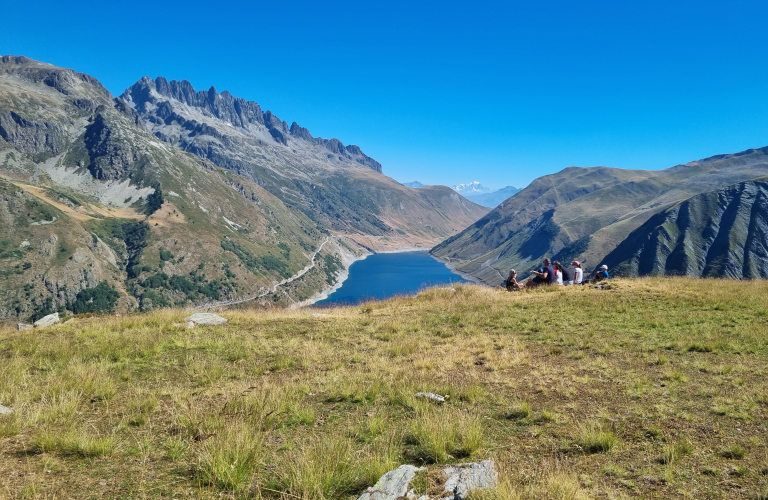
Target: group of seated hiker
554 273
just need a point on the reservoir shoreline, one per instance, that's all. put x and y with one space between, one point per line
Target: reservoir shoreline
386 278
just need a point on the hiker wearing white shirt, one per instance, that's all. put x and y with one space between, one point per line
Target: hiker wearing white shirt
578 272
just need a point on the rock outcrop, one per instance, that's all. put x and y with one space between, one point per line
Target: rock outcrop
206 319
458 481
154 100
49 320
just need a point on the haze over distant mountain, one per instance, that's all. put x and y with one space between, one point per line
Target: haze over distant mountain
175 197
492 198
704 218
413 184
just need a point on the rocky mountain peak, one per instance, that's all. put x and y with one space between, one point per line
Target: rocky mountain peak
148 96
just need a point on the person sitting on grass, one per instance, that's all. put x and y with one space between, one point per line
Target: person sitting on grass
578 272
567 278
601 274
544 276
511 283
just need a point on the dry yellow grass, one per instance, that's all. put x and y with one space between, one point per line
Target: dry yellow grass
649 389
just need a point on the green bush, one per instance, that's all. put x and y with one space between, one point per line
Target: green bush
165 255
100 299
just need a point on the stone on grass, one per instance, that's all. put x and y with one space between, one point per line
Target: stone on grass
206 319
4 410
437 398
24 326
49 320
392 485
465 478
460 481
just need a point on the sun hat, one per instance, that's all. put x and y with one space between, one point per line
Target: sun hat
603 267
576 263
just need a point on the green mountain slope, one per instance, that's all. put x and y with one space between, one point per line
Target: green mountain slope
92 201
721 233
585 212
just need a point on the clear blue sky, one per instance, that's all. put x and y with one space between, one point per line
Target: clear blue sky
446 92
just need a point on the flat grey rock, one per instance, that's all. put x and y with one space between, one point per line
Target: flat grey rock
4 410
206 319
49 320
461 480
24 326
392 485
437 398
465 478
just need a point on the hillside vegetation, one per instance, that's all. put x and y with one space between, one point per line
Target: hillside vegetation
650 388
587 213
93 190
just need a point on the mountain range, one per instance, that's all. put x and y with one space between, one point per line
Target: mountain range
477 193
704 218
473 187
171 196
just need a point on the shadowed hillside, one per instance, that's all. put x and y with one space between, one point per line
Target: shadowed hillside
585 213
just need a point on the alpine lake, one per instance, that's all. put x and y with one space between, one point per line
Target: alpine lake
384 275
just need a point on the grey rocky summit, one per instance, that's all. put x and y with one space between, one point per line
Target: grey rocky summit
157 101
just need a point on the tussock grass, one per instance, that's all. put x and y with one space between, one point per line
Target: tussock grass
632 392
75 442
438 435
675 451
229 459
595 438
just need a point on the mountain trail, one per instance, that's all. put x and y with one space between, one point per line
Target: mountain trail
274 288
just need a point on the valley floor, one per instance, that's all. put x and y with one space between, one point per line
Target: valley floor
651 388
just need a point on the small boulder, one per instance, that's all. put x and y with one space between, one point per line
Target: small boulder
49 320
206 319
24 326
465 478
392 485
437 398
460 481
4 410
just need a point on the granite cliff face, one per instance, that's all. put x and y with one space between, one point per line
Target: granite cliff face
723 233
94 196
586 213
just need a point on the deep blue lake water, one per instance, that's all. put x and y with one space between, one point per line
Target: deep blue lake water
385 275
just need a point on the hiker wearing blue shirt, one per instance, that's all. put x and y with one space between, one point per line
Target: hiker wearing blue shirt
601 274
544 276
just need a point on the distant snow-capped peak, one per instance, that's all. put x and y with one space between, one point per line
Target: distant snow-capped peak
473 187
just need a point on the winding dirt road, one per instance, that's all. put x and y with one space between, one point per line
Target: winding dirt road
274 288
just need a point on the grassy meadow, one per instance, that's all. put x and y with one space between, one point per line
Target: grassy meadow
651 388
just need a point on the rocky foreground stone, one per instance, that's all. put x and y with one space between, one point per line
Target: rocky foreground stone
206 319
49 320
460 481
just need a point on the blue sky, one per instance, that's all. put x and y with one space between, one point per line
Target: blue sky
446 92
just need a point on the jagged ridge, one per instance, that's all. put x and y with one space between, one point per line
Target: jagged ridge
234 110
